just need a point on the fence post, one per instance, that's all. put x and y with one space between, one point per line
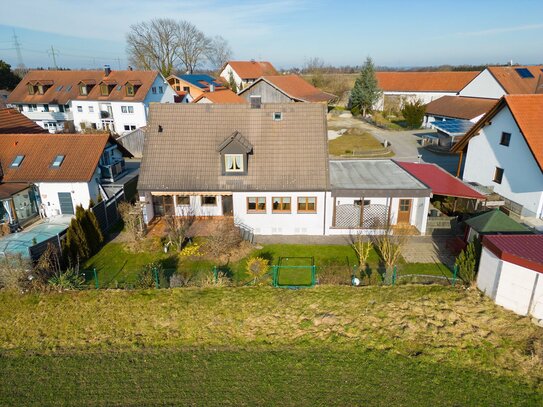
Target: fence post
274 279
96 285
157 285
313 275
455 273
394 276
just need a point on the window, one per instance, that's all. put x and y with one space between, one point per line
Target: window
17 161
104 89
67 108
31 89
160 89
361 202
61 108
153 89
498 175
405 205
124 109
45 108
209 200
83 91
524 73
59 88
129 127
127 109
506 139
80 109
186 89
281 204
68 88
91 109
233 162
130 90
130 109
256 204
183 200
307 204
40 89
57 161
277 116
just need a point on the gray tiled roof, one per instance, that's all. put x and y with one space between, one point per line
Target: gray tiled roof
288 155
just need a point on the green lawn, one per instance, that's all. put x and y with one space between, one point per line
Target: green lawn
354 140
378 346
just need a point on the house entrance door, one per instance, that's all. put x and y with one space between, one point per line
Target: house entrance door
404 211
66 203
227 205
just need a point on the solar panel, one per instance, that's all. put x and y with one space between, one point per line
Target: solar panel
524 73
454 126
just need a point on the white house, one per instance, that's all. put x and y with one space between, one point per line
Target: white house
56 173
504 151
79 100
266 166
497 81
246 72
511 272
401 87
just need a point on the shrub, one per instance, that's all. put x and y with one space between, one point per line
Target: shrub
413 113
132 218
257 267
14 273
181 278
210 280
70 279
334 274
224 240
146 277
83 238
466 262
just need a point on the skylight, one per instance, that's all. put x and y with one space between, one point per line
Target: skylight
524 73
17 161
59 88
68 88
57 161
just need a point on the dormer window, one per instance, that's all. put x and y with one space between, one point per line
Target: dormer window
233 163
40 89
57 162
83 91
130 91
104 90
16 163
31 89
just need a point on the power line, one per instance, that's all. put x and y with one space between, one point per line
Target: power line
17 46
53 54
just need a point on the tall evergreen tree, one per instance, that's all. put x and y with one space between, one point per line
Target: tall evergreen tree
8 80
232 83
365 92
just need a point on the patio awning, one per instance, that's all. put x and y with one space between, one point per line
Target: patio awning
440 181
11 188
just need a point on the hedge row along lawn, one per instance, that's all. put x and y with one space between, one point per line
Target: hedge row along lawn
374 346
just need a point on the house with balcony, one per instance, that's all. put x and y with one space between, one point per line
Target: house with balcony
51 174
194 85
68 101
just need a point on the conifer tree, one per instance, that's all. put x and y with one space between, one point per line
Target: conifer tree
365 93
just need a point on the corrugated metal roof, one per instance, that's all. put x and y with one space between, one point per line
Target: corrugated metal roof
522 250
288 154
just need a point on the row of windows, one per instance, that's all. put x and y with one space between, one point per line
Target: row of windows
305 204
18 160
160 90
34 108
124 109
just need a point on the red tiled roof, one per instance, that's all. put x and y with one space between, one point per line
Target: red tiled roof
296 87
64 86
252 69
459 107
513 83
527 110
13 121
439 180
82 153
221 96
522 250
445 81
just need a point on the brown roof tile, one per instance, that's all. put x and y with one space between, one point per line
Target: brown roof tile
221 96
82 153
12 121
445 81
514 84
296 87
252 69
288 155
63 86
459 107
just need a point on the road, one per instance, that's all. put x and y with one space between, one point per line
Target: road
405 144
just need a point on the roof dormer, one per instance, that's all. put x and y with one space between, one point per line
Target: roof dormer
234 152
132 87
38 87
85 86
107 86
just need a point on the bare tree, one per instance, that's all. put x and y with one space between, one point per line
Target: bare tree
362 246
219 53
389 247
132 217
154 45
194 46
178 227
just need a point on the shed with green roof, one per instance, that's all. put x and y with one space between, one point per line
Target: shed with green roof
493 223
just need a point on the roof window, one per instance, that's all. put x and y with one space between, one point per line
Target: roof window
524 73
57 162
277 116
59 88
16 163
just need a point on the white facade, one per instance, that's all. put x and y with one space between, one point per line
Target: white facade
522 180
514 287
483 85
409 97
52 117
81 193
240 83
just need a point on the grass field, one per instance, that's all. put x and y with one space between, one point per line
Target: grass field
354 140
379 346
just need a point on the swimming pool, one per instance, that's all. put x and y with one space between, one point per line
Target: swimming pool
19 242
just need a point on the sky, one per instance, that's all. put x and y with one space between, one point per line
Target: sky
398 33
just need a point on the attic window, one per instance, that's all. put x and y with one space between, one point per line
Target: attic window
277 116
59 88
57 161
31 89
40 89
130 90
104 89
16 163
68 88
83 91
233 162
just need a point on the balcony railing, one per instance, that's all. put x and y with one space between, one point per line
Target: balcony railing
112 171
52 116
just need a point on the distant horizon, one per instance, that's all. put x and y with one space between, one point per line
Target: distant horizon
396 34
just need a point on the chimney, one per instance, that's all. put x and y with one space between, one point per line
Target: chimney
256 102
107 70
211 87
130 67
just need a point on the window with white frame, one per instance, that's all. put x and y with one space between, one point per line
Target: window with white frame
80 109
127 109
91 109
233 162
277 116
128 127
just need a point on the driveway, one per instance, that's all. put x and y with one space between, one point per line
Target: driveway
405 144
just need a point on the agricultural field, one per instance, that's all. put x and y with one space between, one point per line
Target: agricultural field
372 346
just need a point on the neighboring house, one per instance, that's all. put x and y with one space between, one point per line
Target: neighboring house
246 72
401 87
223 96
511 272
58 171
194 85
133 141
493 222
266 166
497 81
3 98
504 151
13 121
285 88
117 101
